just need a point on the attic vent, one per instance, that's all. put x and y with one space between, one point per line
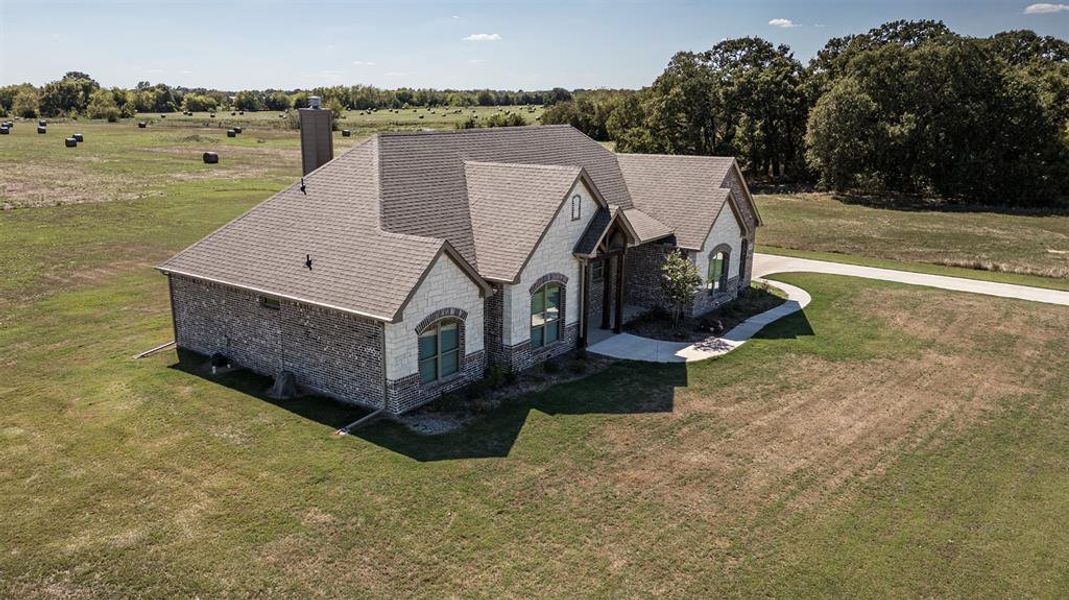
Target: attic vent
270 303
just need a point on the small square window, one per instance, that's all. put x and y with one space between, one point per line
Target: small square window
577 207
270 303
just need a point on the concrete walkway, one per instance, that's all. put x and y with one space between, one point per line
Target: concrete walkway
767 264
633 347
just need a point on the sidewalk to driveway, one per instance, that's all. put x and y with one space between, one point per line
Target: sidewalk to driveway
633 347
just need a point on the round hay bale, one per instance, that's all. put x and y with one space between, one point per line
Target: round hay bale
210 158
346 133
5 130
241 112
212 115
42 129
163 116
78 137
70 142
142 124
231 133
42 123
237 130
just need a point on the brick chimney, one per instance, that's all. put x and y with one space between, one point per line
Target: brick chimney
317 143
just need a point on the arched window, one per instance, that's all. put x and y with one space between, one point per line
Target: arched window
439 350
577 207
717 279
546 303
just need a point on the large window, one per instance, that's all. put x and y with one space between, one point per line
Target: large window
545 315
439 351
717 280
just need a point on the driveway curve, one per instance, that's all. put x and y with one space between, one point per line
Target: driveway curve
633 347
767 264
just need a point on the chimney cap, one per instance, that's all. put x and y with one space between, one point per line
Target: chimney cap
315 102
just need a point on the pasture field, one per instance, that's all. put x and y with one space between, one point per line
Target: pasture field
361 122
1029 249
888 441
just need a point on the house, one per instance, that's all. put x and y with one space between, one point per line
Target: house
408 266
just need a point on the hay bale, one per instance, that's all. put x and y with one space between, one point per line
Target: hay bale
5 130
210 158
42 129
163 116
346 133
78 137
212 115
70 142
42 123
142 124
231 133
241 112
237 130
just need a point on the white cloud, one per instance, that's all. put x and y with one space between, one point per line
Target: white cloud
456 17
1043 8
784 23
477 61
482 37
364 63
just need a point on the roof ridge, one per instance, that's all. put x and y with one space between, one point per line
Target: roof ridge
471 131
524 165
698 156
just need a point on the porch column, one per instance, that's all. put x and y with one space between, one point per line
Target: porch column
584 294
619 325
606 291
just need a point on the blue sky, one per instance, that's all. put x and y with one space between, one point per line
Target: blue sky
502 45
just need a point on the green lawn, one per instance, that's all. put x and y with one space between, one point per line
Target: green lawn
889 441
978 244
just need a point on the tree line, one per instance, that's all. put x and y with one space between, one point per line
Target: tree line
909 106
77 94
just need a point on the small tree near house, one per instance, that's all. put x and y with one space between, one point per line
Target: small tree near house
680 281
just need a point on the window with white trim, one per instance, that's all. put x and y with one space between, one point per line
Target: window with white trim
439 351
545 315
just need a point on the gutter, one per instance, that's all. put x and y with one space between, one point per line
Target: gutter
357 423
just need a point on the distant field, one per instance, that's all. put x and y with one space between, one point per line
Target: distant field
119 161
1013 244
362 122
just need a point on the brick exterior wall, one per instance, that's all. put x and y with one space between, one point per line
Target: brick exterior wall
333 353
643 274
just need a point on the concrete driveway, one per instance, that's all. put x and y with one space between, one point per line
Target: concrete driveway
633 347
767 264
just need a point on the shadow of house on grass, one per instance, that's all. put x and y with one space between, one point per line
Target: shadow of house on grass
792 326
623 388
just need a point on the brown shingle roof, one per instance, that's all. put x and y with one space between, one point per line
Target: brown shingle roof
355 266
422 174
683 192
375 218
510 206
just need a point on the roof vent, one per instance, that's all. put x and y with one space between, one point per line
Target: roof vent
315 102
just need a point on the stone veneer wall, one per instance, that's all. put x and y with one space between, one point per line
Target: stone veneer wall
446 292
331 352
